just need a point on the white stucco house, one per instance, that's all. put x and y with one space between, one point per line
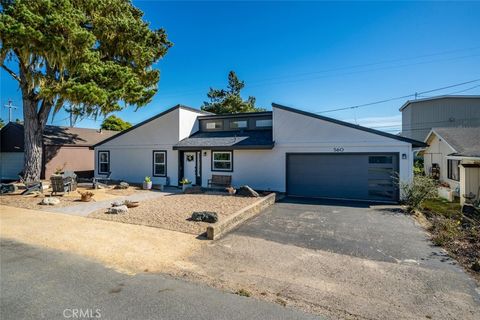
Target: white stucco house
285 150
453 157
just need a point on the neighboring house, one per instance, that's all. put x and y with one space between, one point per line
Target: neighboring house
421 115
64 148
456 154
285 150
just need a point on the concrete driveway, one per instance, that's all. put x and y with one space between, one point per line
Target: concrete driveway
342 260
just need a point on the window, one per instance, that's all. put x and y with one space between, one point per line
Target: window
222 161
263 123
453 169
159 163
103 162
238 124
380 159
214 125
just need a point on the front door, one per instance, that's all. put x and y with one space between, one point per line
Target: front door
189 166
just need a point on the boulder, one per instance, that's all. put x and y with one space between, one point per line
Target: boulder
50 201
122 185
205 216
117 203
118 210
246 191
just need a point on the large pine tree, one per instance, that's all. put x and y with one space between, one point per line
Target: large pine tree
95 54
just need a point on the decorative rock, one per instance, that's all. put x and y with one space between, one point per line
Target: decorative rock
476 266
122 185
246 191
117 203
205 216
49 201
118 210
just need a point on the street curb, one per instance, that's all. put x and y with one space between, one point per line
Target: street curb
232 222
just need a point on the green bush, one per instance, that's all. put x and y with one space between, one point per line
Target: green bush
420 189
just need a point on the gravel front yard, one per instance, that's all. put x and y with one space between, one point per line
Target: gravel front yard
68 199
173 211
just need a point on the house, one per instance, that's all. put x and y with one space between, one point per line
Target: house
285 150
421 115
64 148
455 154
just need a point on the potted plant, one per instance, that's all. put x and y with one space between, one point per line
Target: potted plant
147 183
185 184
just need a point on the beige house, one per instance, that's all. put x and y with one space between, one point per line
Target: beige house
421 115
64 149
453 155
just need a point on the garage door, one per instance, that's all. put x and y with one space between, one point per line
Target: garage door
343 176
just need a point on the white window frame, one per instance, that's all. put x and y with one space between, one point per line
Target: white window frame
164 163
100 162
222 161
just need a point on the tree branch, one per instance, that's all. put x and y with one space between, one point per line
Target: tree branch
13 74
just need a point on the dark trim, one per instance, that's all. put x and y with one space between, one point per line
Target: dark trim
109 162
397 154
211 161
235 115
450 169
409 102
178 106
153 163
415 143
180 166
225 148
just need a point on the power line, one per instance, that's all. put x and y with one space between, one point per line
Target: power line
397 98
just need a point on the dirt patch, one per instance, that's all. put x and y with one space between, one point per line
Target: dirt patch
126 248
173 211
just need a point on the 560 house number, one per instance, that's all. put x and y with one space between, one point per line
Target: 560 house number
338 149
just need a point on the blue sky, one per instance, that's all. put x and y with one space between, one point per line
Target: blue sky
314 56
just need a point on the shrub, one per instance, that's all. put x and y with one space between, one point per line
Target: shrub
445 231
243 293
420 189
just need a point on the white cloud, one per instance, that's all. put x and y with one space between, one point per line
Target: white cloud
388 123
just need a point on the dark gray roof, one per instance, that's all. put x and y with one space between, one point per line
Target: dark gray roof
465 141
227 140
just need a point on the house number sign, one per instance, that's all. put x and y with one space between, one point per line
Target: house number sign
338 149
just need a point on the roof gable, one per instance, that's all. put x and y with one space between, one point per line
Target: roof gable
414 143
178 106
464 141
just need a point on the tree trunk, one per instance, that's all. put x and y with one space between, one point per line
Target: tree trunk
33 134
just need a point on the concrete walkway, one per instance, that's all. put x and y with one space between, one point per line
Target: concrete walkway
84 209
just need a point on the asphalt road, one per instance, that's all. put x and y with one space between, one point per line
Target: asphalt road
43 284
359 229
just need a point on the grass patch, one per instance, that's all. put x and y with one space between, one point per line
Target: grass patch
457 233
243 293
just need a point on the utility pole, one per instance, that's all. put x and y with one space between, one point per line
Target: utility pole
10 107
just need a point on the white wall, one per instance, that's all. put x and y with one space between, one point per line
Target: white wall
293 132
11 163
131 154
437 152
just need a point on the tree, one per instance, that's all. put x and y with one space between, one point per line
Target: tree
229 100
2 123
115 123
93 54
